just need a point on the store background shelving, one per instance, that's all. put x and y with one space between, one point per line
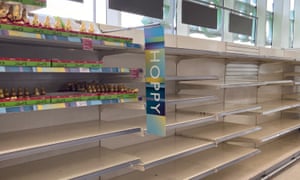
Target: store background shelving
239 108
251 99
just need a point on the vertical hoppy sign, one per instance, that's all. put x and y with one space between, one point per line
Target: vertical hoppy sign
155 80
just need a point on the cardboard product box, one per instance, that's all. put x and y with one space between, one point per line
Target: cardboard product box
110 38
63 33
11 102
130 95
89 96
32 62
39 3
77 63
64 98
37 100
107 96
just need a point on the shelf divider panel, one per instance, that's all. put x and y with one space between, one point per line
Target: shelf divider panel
104 49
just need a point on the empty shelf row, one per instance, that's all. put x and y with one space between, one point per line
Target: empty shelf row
175 147
205 164
272 129
199 157
276 106
284 149
26 142
196 166
82 164
135 48
263 108
98 161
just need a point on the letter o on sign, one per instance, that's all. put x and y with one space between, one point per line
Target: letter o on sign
154 72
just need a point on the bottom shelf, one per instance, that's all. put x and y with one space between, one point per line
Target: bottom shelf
272 156
195 166
80 164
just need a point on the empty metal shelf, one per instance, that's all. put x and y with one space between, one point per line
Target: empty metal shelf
219 132
23 143
197 165
277 106
273 155
154 153
273 129
174 120
82 164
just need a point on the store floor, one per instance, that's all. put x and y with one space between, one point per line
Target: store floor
290 173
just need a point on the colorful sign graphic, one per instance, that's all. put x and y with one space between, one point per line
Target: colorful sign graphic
155 80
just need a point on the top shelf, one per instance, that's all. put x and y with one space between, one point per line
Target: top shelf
26 69
73 43
34 3
191 53
115 48
191 78
235 85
